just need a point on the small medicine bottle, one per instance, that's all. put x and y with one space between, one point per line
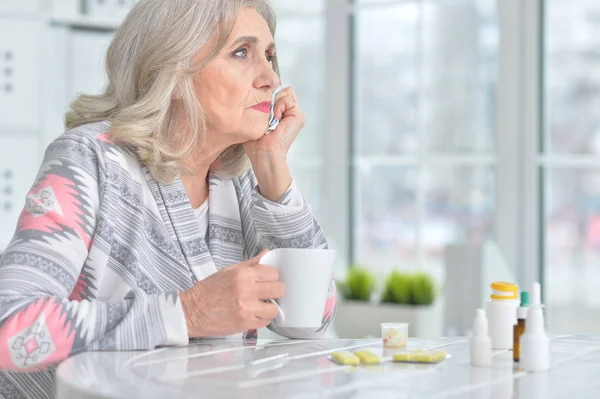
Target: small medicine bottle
502 314
519 328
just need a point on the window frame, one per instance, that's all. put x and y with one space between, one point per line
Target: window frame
518 127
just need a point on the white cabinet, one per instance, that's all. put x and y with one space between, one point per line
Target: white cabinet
109 8
55 89
19 74
20 6
66 8
19 163
88 52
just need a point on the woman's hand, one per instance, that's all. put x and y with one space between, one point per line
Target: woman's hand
232 300
268 154
291 121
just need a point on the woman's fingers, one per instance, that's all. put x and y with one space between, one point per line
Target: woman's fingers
270 290
257 258
283 105
266 311
265 273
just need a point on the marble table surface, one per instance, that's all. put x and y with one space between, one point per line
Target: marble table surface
302 369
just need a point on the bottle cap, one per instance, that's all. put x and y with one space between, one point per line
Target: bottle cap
480 324
504 286
523 309
481 344
524 299
504 291
536 294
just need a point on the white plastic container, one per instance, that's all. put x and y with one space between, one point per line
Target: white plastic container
394 335
502 314
481 344
535 344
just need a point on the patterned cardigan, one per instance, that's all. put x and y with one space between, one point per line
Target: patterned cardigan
102 250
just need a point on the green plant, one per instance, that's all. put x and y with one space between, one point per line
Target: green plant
397 288
409 289
423 289
359 284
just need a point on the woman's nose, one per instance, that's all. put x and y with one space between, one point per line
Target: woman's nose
267 78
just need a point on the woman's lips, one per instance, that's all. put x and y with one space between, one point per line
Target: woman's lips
263 107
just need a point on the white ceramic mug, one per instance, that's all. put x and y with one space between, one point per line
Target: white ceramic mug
307 275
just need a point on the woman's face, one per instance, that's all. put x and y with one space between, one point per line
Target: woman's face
235 88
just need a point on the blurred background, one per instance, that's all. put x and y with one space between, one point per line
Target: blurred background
453 138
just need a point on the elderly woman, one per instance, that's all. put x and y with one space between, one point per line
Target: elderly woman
148 218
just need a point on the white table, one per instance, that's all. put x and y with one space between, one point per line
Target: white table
222 369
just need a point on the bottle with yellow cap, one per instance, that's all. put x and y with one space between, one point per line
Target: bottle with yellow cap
502 313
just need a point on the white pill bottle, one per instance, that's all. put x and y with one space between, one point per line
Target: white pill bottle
502 313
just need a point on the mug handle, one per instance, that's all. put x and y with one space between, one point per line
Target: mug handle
281 313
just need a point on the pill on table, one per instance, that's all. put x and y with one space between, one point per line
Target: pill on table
425 358
407 356
344 357
367 357
438 355
420 356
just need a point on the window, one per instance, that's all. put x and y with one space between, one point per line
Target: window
570 164
425 77
302 65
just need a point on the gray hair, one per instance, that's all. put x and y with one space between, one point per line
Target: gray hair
153 54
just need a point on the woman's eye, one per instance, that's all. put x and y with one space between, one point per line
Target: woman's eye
242 52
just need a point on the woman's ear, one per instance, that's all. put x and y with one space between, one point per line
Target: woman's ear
175 94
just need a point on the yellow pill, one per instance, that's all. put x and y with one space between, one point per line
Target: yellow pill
367 357
406 356
430 357
420 356
424 358
344 357
439 355
402 357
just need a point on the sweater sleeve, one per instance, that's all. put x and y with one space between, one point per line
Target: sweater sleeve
287 223
44 271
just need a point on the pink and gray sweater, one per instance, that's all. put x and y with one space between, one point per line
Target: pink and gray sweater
102 250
